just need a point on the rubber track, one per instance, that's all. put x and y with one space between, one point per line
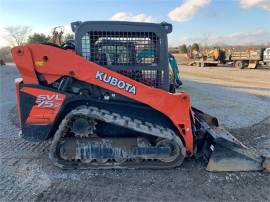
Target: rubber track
122 121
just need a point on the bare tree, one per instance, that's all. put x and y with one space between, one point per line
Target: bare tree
17 35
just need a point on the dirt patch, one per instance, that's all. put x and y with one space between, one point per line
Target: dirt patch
256 136
181 58
24 165
249 80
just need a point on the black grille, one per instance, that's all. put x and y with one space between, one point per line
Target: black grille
121 48
122 51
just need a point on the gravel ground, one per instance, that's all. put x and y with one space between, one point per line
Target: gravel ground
26 173
233 108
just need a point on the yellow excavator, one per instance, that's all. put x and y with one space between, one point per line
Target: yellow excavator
216 54
211 57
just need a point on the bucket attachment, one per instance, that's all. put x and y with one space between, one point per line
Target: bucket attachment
228 153
228 156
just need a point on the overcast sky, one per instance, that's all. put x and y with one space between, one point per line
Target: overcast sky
232 22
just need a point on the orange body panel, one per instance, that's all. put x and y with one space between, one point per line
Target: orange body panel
54 63
46 107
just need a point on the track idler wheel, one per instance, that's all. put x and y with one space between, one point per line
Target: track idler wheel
175 151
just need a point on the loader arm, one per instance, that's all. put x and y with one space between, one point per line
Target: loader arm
53 63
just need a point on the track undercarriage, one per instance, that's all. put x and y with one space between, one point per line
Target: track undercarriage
76 144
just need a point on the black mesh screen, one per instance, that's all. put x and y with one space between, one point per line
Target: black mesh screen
121 48
149 77
125 50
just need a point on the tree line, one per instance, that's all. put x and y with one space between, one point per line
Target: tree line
185 49
20 35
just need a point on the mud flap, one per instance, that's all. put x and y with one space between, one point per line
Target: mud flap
252 64
228 156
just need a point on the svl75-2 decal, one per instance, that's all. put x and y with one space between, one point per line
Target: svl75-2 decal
49 101
46 107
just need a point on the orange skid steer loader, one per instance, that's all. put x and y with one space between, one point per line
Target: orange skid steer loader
103 107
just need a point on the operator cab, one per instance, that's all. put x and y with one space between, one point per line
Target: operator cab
136 50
